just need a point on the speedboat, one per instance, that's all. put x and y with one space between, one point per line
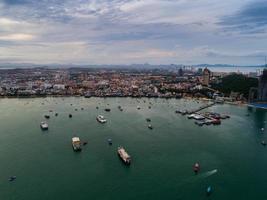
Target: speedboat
196 167
44 126
101 119
263 143
208 190
110 141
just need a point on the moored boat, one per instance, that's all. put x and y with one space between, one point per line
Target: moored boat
44 126
12 178
101 119
110 141
196 167
47 116
150 126
76 144
125 157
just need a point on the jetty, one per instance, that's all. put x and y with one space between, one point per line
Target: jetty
201 108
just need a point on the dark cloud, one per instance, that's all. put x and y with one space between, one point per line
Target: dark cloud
252 18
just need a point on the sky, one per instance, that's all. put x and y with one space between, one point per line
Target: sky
133 31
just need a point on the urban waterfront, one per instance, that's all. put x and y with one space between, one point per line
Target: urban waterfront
233 160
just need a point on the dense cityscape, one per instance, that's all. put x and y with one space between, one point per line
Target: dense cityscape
88 82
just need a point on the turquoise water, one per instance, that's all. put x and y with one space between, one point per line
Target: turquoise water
232 159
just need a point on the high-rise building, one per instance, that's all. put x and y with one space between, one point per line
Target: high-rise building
262 89
206 76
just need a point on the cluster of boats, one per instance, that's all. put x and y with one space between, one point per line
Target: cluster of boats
207 118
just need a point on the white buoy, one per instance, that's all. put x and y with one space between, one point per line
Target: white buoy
262 129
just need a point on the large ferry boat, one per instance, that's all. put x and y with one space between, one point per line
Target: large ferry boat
44 126
125 157
101 119
76 144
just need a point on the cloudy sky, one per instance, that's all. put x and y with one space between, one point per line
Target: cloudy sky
133 31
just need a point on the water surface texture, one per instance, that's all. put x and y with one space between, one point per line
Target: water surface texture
231 156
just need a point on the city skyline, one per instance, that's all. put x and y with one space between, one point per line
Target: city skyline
128 31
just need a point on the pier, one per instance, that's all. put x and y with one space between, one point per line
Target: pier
201 108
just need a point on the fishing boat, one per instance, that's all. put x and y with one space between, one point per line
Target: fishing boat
70 115
148 119
76 144
125 157
107 109
56 114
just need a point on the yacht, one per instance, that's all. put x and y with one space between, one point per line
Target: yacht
76 144
44 126
101 119
124 155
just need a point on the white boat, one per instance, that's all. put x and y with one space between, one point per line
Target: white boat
76 144
44 126
101 119
195 116
125 157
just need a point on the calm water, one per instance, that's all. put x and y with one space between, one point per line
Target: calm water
47 168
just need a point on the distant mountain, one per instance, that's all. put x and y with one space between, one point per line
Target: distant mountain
137 66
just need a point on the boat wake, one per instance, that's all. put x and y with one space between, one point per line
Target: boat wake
209 173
